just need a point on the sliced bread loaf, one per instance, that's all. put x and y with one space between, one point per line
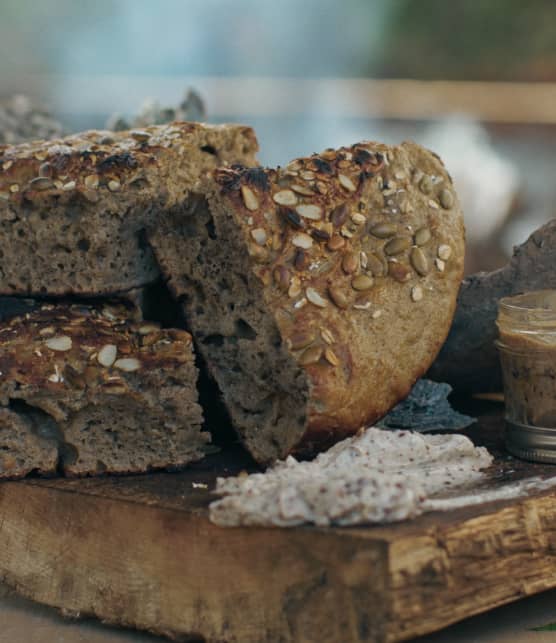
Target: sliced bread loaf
88 390
73 211
317 293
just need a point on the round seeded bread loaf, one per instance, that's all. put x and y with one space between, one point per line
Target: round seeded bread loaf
318 293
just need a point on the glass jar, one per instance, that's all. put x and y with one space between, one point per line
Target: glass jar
527 347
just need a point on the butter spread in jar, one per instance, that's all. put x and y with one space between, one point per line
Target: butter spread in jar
527 348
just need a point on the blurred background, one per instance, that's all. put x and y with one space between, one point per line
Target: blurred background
474 81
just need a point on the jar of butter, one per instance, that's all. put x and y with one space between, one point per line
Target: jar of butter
527 348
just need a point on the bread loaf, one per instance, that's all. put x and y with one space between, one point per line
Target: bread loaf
88 390
317 293
73 211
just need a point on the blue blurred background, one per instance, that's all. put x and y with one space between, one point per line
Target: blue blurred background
476 81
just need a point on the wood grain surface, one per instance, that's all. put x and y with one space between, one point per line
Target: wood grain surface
140 551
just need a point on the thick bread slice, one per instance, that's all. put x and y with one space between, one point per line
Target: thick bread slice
73 211
318 293
87 390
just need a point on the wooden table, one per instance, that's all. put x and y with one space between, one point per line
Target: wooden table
140 551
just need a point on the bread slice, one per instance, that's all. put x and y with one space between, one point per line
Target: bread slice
87 390
318 293
73 211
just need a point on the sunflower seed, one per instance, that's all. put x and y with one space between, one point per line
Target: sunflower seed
147 329
107 355
301 339
444 252
362 282
285 197
446 199
440 265
295 287
257 253
249 198
310 356
70 185
422 236
127 364
335 243
376 314
358 218
338 296
307 175
346 183
419 261
416 293
362 305
397 245
302 189
259 235
315 298
309 211
114 185
433 204
302 240
364 260
91 181
140 135
59 343
383 230
350 262
331 357
301 303
327 336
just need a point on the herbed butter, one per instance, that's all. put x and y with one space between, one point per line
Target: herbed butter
374 477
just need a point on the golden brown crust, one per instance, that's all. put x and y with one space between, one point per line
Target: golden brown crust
64 349
112 161
360 253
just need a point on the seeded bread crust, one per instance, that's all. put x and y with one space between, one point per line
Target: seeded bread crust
73 211
354 259
87 390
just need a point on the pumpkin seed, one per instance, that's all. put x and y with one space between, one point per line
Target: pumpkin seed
419 261
338 296
339 215
301 339
446 199
310 356
384 230
309 211
397 245
362 282
425 185
422 236
375 265
350 262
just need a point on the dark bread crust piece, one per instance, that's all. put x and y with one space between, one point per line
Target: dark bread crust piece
87 390
351 263
73 211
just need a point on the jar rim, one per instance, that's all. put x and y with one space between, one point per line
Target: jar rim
525 302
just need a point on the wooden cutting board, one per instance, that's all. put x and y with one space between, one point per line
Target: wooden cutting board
140 551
